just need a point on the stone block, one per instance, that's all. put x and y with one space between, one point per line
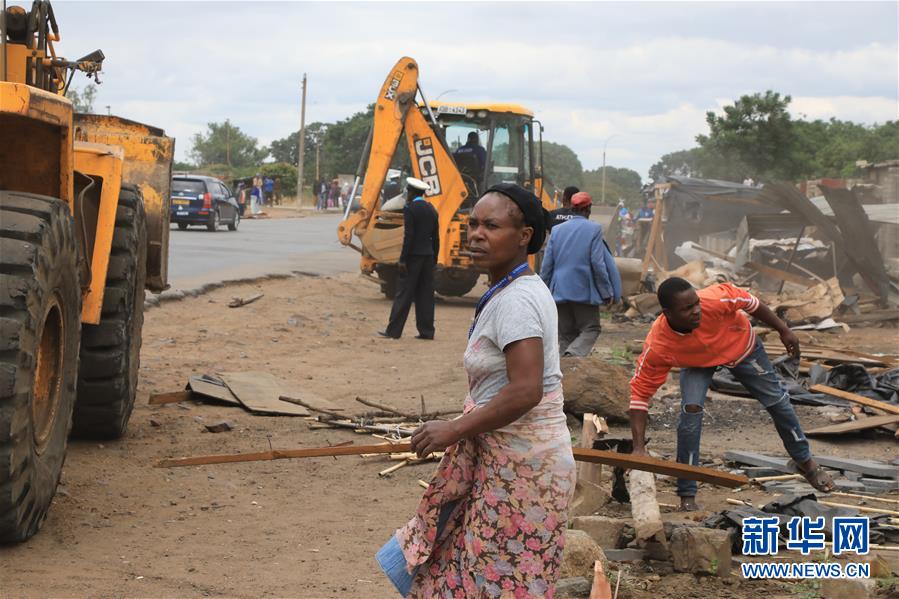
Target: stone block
602 529
577 586
848 588
579 555
701 550
588 499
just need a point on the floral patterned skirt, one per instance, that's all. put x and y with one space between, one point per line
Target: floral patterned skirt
504 497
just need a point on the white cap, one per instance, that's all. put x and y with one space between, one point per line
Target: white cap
417 184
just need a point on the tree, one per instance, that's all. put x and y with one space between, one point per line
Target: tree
286 149
343 142
682 162
756 131
561 166
223 143
621 183
286 172
83 101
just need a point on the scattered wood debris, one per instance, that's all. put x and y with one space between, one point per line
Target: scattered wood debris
237 302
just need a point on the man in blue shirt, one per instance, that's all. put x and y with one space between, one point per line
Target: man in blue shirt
580 272
473 146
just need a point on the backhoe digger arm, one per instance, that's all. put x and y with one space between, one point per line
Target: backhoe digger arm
397 95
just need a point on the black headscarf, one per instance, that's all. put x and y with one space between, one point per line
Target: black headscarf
535 215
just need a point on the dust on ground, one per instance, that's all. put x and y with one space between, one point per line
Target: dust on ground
302 528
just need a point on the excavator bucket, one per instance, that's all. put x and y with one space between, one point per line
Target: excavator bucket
148 164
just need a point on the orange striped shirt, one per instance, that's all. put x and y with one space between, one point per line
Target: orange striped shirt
724 338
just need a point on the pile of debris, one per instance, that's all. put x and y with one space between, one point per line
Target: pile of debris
850 475
817 263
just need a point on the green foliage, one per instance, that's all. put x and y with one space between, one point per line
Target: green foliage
287 149
561 166
622 183
183 166
756 137
83 100
756 131
287 173
223 143
340 146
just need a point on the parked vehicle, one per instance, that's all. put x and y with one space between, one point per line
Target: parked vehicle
202 200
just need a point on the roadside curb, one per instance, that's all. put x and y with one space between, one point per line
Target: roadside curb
152 300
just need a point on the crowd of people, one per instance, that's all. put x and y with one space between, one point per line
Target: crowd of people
331 194
491 522
260 191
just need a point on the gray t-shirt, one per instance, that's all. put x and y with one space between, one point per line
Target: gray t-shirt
523 310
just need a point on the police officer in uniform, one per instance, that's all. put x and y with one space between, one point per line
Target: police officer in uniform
421 245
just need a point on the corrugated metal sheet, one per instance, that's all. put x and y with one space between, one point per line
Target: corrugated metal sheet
878 213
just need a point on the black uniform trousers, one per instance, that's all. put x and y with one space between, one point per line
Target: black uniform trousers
417 286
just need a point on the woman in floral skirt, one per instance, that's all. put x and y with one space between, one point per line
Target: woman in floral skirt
491 522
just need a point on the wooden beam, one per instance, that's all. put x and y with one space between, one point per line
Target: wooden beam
854 425
856 398
591 473
596 456
782 275
654 232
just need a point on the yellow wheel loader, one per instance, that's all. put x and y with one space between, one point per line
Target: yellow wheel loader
443 141
83 230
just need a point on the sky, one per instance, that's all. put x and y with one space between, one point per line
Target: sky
633 78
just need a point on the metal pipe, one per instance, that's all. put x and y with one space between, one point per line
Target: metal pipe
427 106
362 161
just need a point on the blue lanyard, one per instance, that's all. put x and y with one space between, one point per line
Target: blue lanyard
499 286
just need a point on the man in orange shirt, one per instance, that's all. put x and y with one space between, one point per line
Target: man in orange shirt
699 332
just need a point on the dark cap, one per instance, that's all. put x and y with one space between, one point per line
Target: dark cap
535 216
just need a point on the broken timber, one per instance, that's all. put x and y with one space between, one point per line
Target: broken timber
854 425
856 398
596 456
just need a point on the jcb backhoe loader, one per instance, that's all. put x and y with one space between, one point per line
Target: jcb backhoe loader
83 230
442 152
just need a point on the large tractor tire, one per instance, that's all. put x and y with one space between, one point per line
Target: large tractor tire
40 329
455 282
110 351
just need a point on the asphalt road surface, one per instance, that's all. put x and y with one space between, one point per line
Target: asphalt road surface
258 247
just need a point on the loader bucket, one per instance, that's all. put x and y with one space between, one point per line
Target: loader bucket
148 164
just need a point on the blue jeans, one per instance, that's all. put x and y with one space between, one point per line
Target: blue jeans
757 374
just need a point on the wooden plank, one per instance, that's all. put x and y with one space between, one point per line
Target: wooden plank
878 316
653 238
596 456
173 397
887 359
853 426
259 391
591 473
779 274
854 397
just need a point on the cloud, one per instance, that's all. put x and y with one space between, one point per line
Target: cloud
644 72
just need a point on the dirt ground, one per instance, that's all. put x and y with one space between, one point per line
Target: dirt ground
306 528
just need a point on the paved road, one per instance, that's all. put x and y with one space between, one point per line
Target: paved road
258 247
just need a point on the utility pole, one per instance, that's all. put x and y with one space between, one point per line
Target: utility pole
108 110
318 153
302 149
